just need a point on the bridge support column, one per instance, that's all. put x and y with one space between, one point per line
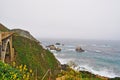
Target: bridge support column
1 47
11 50
3 56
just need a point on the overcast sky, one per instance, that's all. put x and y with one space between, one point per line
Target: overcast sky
83 19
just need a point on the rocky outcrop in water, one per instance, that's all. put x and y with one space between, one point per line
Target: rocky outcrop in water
79 49
57 44
58 49
53 47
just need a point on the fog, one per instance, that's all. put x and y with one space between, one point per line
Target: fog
77 19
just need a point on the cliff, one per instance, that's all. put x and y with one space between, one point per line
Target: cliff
29 52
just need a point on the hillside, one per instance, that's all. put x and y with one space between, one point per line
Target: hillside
3 28
24 34
31 53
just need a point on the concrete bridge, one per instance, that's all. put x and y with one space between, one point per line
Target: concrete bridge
6 49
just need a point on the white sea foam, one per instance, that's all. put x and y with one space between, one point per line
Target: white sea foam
62 61
98 51
70 46
93 45
71 49
105 46
102 72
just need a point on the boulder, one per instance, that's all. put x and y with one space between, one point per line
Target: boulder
51 47
79 49
58 49
57 44
64 66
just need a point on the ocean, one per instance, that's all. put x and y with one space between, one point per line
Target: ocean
101 57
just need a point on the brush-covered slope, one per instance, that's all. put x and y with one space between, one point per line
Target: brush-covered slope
24 34
3 28
31 53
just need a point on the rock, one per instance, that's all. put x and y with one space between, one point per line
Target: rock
64 66
72 64
58 49
51 47
79 49
57 44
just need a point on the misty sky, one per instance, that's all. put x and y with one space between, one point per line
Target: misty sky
82 19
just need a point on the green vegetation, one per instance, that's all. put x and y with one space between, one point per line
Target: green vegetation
117 78
34 56
3 28
70 74
21 72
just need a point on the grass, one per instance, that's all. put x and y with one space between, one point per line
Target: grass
70 74
33 55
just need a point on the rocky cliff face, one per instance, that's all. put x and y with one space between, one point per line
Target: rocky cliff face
24 34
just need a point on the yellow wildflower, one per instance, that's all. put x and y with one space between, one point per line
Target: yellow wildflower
14 76
20 70
30 70
21 66
24 76
24 68
14 64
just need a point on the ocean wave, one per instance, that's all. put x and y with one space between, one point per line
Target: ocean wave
103 72
93 45
69 46
105 46
71 49
98 51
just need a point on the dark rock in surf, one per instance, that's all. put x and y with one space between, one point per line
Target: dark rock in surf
51 47
58 49
79 49
57 44
64 66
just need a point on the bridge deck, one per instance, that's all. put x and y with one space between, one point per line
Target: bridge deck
4 35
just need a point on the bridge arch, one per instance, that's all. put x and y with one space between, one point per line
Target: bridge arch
6 49
7 46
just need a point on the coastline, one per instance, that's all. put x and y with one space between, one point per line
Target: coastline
66 66
84 70
64 59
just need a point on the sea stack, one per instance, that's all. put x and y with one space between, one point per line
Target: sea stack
79 49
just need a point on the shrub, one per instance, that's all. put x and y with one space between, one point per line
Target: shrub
8 72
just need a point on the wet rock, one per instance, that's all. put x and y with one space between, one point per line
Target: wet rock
51 47
58 49
64 66
79 49
57 44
